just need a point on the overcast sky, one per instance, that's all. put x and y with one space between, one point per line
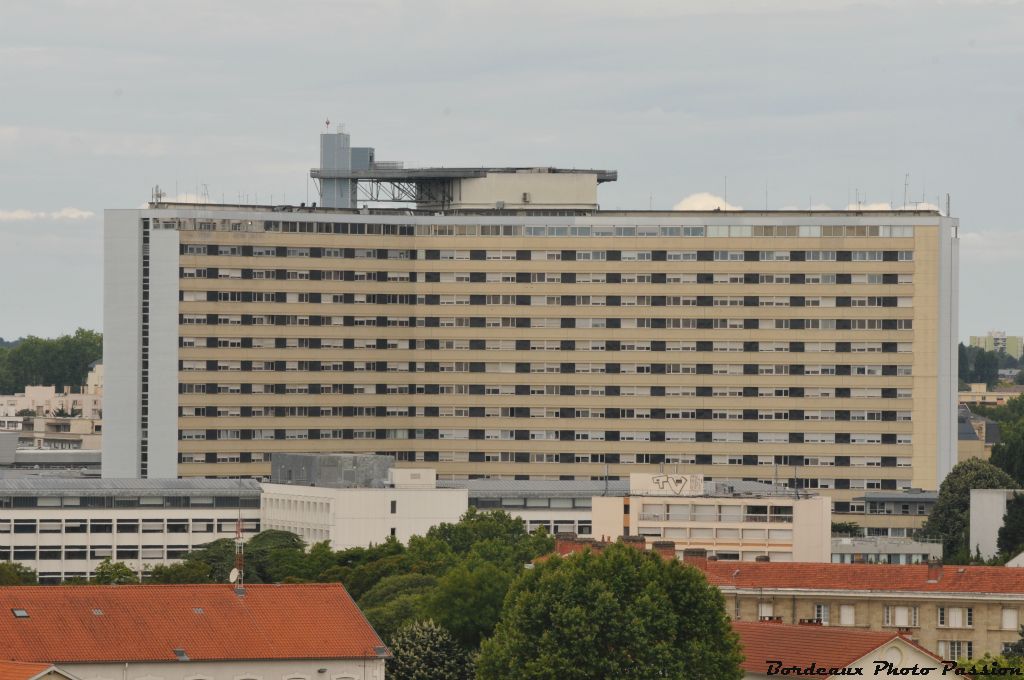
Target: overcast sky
815 101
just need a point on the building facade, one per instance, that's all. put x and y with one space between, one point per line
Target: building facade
726 521
358 517
63 528
999 341
955 611
812 348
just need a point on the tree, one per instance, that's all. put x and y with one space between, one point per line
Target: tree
623 613
1011 534
949 517
395 601
1008 454
424 650
846 528
186 571
114 573
963 364
16 574
986 368
467 600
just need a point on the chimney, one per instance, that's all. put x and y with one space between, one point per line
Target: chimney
697 557
666 549
638 542
566 543
934 570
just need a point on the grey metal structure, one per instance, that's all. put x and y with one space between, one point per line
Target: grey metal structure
335 470
132 488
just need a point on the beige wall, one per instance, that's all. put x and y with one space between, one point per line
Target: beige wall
232 670
987 632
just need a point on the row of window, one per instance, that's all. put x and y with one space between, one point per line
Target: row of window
130 501
238 250
535 345
540 412
552 390
717 231
383 276
569 368
854 438
122 526
546 300
708 323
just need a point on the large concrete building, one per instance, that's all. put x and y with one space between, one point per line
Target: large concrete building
63 528
513 329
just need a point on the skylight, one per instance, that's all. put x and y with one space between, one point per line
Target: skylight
20 613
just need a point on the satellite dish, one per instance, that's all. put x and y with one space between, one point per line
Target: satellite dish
233 576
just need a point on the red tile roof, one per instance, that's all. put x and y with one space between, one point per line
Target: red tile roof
14 670
825 646
207 622
883 577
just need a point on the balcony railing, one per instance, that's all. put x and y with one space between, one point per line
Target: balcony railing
716 517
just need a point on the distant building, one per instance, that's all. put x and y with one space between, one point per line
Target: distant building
731 521
884 550
177 632
496 322
63 528
769 646
46 400
979 393
406 503
999 341
556 505
898 514
956 611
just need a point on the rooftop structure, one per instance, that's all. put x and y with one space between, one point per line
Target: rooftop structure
770 646
348 176
220 631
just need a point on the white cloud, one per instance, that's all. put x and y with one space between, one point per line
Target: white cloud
22 215
990 246
704 201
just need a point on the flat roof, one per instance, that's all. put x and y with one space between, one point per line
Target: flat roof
428 174
571 488
911 495
63 486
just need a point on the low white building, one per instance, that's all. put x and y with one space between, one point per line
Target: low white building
192 632
349 517
732 521
986 518
64 527
556 505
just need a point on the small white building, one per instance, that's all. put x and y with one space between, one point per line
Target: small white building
350 517
192 632
986 518
733 521
64 527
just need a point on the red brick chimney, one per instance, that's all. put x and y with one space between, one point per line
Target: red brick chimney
666 549
698 557
638 542
934 570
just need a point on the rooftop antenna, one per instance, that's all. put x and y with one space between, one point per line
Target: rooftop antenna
906 189
237 575
725 194
327 125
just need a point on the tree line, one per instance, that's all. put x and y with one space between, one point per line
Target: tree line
977 365
483 598
48 361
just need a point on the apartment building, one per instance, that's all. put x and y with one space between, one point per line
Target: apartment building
64 527
729 521
44 400
553 341
953 610
999 341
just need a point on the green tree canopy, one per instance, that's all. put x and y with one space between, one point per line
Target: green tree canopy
623 613
1008 454
114 573
424 650
395 601
40 361
16 574
949 518
1011 535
